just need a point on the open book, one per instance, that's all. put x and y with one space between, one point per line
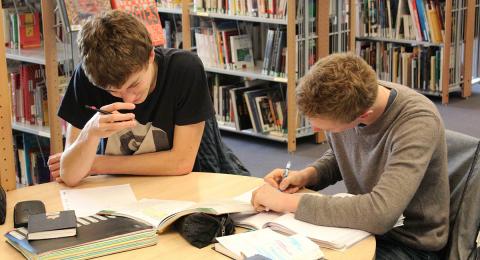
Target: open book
162 213
330 237
269 244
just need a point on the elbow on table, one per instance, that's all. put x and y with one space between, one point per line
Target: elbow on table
184 168
383 224
68 179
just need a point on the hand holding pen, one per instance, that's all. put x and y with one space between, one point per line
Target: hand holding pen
108 120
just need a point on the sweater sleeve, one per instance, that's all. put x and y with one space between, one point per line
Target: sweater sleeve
327 172
410 152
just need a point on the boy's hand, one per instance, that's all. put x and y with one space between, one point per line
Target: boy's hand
103 126
268 198
295 180
54 166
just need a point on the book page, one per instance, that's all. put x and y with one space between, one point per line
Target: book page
224 206
151 211
254 221
332 237
87 202
269 244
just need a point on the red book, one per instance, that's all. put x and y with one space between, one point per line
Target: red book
29 30
146 11
25 75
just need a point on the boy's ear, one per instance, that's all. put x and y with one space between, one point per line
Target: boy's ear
151 57
366 114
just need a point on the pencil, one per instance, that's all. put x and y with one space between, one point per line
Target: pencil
97 110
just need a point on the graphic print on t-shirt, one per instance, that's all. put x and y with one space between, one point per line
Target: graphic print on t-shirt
138 140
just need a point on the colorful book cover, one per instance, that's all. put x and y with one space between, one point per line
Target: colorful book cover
146 11
29 30
76 12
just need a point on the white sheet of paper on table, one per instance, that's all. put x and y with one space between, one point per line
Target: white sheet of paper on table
87 202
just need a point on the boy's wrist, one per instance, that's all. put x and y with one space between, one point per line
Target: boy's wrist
292 201
309 176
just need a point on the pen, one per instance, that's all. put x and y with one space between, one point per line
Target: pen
97 110
287 169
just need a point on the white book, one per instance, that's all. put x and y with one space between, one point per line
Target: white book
242 53
269 244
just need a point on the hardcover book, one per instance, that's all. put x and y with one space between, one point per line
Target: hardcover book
52 225
75 13
147 12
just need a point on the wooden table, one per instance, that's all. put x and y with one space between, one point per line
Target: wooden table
194 186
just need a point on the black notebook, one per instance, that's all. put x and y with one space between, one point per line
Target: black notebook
52 225
96 236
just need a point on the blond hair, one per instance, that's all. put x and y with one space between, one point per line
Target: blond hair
113 46
338 87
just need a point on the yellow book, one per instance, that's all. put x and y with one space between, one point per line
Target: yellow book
433 24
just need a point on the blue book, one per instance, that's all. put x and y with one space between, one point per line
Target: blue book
422 15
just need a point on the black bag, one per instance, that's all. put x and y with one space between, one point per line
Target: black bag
201 229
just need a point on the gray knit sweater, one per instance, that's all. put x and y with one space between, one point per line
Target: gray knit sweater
397 165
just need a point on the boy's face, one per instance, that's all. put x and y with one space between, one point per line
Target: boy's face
138 85
323 124
136 88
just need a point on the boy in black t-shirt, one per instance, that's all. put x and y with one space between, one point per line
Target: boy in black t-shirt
158 99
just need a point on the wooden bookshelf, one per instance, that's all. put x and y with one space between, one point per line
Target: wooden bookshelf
289 22
43 131
249 73
49 59
7 165
36 55
461 80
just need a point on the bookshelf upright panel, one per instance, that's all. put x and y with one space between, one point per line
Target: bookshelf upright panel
469 39
7 161
51 74
291 77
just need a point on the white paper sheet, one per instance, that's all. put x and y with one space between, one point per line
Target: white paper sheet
89 201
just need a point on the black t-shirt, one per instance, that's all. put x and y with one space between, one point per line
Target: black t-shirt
181 97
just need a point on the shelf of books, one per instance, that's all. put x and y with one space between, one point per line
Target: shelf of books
221 15
169 10
40 130
245 48
35 55
30 54
423 44
255 72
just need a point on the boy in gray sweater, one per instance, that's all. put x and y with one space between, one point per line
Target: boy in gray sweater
387 143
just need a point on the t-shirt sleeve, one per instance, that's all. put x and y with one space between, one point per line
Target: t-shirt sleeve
193 102
72 106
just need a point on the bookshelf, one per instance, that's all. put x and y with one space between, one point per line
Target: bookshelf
46 56
476 46
188 13
454 49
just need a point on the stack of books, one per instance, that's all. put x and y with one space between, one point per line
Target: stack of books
96 236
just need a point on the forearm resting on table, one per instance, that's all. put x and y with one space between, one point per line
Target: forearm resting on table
78 158
157 163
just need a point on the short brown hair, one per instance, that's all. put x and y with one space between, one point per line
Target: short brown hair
338 87
113 46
